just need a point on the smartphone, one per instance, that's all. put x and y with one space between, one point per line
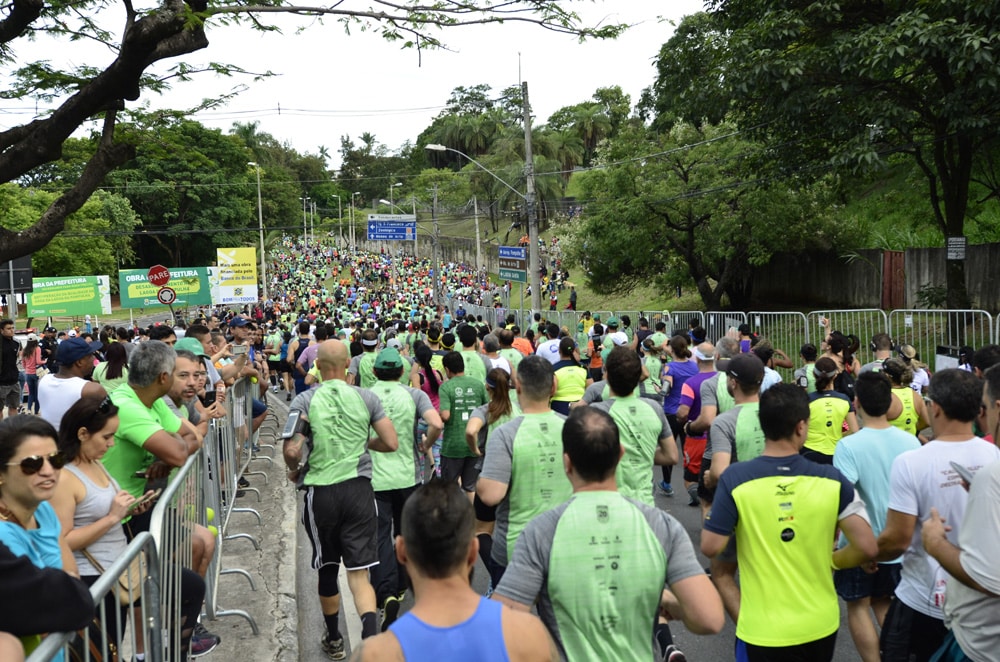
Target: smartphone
962 471
209 398
237 350
141 473
145 499
291 425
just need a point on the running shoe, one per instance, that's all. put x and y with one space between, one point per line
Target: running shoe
673 654
693 495
390 612
288 397
666 488
203 642
334 648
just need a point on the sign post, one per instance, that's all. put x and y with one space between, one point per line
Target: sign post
513 262
392 227
158 275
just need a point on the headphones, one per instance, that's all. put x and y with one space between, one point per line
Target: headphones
893 347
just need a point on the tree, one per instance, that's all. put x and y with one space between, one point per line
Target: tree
851 83
680 206
172 29
691 70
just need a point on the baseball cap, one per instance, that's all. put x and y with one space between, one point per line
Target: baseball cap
72 350
50 329
746 369
613 322
72 333
238 321
619 338
192 345
388 359
32 336
394 344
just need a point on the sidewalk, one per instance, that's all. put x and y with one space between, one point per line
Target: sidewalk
281 570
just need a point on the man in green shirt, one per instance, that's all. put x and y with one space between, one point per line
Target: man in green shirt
522 474
394 475
644 431
625 549
475 366
336 472
460 395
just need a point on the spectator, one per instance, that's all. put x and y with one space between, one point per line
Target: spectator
58 392
31 359
113 371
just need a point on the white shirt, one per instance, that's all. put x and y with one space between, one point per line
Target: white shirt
922 479
549 350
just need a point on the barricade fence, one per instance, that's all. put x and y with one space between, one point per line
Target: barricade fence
936 335
188 527
105 638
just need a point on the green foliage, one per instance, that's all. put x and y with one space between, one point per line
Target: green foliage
685 205
96 239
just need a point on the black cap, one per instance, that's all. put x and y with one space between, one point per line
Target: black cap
746 369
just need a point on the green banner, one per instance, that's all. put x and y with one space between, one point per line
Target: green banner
72 295
190 283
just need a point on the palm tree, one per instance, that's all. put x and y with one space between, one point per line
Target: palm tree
592 125
568 151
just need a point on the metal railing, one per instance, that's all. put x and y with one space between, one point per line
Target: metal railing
107 630
940 332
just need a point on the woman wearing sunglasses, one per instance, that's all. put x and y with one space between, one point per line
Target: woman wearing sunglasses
88 501
30 465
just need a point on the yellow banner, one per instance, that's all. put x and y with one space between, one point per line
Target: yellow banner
237 266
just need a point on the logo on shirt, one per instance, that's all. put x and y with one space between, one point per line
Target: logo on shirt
602 514
787 535
783 489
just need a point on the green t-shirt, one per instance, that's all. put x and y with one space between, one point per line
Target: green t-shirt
513 356
397 470
641 425
136 424
340 417
474 366
459 395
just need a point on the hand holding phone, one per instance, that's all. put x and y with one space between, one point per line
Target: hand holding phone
145 499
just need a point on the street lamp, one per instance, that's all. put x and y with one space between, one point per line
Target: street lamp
305 221
533 266
390 192
391 205
340 220
260 228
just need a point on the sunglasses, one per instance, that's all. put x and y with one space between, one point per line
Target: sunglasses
103 408
33 463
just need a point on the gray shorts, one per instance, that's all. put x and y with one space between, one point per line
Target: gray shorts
10 394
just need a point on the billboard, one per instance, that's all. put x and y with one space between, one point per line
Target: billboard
190 283
68 296
234 280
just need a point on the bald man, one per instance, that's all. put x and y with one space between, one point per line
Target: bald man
329 460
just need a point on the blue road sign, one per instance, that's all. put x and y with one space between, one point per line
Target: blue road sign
392 227
513 252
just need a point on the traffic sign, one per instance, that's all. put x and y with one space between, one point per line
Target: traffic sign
392 227
158 275
513 263
166 295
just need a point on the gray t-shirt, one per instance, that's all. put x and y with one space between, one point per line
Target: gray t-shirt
596 392
531 572
709 393
302 401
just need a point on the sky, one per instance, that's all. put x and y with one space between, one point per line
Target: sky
329 84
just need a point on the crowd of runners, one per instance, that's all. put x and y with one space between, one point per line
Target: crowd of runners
426 440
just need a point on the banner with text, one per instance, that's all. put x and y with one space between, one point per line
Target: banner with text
190 283
68 296
235 277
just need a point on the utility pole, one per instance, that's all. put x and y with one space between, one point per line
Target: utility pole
413 199
529 198
479 250
435 260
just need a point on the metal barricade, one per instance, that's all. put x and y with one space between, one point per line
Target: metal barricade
863 323
682 318
786 331
179 509
633 321
717 323
940 333
108 629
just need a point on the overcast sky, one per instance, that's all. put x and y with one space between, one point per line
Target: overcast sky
330 84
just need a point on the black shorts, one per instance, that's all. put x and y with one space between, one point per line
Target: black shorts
854 583
484 513
341 523
464 468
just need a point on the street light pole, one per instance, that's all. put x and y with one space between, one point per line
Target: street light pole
305 223
390 193
260 228
340 219
353 237
533 267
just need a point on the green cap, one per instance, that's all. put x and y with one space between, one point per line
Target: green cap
613 322
192 345
388 359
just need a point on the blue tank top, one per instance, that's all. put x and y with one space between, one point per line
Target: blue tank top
480 638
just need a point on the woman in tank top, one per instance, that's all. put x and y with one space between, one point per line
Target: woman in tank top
914 416
88 501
